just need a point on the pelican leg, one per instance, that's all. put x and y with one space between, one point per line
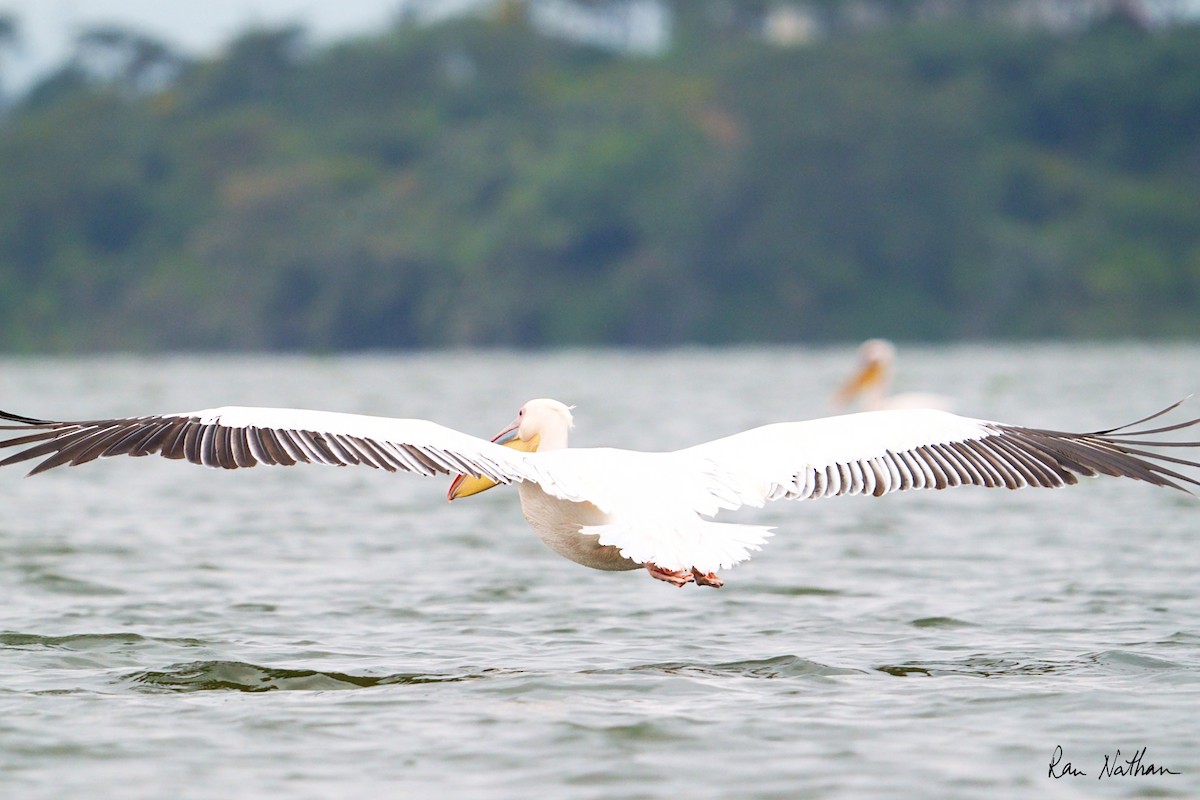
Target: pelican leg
709 579
673 577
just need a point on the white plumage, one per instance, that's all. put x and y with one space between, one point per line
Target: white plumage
620 509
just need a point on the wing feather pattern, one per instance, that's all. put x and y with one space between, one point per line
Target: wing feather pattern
240 437
877 452
657 507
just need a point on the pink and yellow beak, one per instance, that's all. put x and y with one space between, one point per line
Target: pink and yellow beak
467 485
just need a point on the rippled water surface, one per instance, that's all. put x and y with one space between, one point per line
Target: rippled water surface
170 631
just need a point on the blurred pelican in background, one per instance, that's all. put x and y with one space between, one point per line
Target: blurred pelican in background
871 383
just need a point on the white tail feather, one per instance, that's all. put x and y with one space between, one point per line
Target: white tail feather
707 546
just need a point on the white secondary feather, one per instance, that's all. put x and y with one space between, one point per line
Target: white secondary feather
779 460
465 453
407 431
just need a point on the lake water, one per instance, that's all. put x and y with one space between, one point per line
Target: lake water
170 631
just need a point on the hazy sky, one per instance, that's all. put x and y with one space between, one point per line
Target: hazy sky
47 27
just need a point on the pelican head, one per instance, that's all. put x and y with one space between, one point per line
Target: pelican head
541 424
873 375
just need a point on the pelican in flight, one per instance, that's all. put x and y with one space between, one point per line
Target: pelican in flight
613 509
871 383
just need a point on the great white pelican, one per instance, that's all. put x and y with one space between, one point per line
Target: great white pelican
870 385
615 509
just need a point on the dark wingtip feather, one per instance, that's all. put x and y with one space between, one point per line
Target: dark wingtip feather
1123 454
10 417
1177 426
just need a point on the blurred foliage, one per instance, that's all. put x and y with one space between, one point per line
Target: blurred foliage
474 183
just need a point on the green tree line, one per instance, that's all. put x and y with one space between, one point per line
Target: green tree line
476 183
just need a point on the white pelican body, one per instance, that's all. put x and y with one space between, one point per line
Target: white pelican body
561 524
614 509
871 384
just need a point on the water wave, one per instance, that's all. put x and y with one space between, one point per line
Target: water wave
787 666
65 584
205 676
986 666
941 622
86 641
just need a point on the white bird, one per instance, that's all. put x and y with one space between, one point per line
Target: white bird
871 383
621 509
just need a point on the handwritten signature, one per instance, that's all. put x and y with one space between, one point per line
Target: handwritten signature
1114 766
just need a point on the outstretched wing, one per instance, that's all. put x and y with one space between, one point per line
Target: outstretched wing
877 452
233 437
